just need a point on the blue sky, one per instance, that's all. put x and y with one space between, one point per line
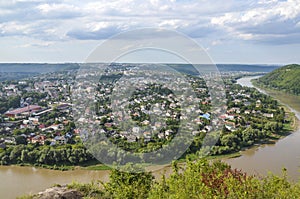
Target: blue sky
232 31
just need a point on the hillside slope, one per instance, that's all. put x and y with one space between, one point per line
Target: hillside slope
286 78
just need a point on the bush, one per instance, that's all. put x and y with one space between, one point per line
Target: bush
217 180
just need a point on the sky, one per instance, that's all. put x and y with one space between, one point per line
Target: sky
231 31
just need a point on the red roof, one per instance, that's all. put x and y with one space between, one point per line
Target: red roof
42 126
29 108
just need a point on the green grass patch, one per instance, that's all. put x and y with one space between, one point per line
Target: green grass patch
98 167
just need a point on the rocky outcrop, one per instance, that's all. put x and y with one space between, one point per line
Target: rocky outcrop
59 193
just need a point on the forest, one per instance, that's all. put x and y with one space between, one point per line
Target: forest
284 79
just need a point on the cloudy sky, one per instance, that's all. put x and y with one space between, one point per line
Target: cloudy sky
232 31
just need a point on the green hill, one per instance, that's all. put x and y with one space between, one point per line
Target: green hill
286 78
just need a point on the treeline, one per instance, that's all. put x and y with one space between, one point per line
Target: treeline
230 142
10 102
199 179
286 79
65 155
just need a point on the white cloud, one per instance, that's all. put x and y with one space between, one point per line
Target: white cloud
69 16
273 21
172 23
36 44
47 8
14 28
216 42
269 18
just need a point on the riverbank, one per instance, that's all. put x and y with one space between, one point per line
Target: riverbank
289 100
281 153
102 167
293 124
93 165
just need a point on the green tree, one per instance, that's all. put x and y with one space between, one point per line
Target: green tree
129 184
230 140
15 154
21 140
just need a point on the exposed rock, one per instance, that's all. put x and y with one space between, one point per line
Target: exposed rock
59 193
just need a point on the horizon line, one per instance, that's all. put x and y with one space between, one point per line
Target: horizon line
220 63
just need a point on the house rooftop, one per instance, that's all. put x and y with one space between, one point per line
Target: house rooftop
29 108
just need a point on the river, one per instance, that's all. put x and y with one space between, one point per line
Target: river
284 153
16 180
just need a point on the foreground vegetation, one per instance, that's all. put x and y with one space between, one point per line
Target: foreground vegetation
199 179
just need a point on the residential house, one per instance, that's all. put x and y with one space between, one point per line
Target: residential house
38 139
60 140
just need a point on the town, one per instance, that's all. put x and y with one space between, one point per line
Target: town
41 116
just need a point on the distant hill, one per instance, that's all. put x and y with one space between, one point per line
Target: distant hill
246 68
9 71
189 69
16 71
286 78
35 68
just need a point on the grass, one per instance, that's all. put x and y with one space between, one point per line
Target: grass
26 197
98 167
293 125
51 167
89 190
225 156
91 165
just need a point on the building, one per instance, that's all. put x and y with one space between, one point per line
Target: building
22 111
39 138
60 140
269 115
